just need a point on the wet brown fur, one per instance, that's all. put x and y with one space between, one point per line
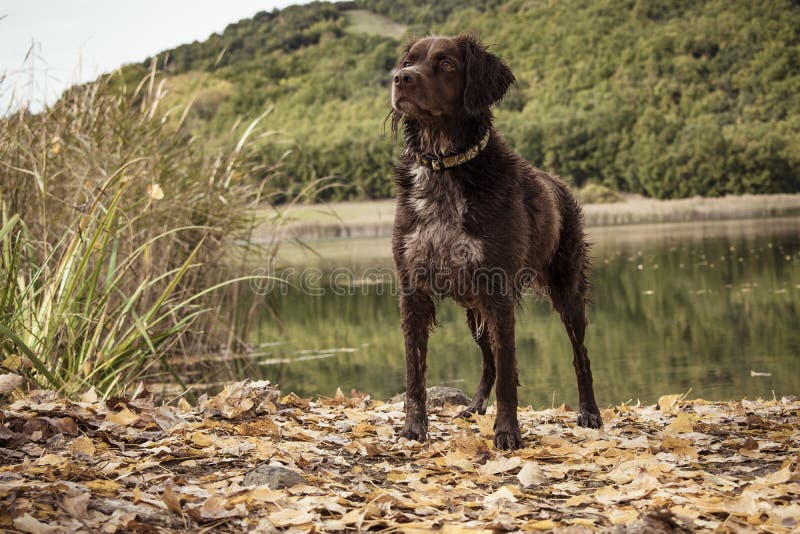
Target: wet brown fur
495 213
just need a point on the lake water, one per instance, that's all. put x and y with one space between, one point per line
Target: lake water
709 307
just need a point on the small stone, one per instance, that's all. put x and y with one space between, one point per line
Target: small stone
438 396
273 476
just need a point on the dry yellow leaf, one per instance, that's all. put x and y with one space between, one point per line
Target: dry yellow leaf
354 517
780 476
90 397
50 459
667 402
171 500
577 500
501 465
543 524
201 439
291 518
531 475
214 508
84 445
582 521
683 422
622 516
504 493
678 445
456 459
123 417
485 424
451 528
108 487
469 444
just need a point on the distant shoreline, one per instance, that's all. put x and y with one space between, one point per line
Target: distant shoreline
374 218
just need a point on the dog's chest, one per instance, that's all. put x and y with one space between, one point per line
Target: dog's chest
438 240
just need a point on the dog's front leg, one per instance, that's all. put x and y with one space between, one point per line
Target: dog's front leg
501 332
418 315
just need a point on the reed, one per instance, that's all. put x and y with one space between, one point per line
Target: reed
122 240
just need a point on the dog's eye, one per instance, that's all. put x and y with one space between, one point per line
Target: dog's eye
405 64
446 64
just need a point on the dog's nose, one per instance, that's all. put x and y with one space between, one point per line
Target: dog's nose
403 77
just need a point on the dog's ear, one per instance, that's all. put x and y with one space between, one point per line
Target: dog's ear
411 41
487 76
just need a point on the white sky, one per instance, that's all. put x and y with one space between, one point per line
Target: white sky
76 40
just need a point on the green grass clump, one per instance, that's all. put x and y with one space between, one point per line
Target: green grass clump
120 238
594 193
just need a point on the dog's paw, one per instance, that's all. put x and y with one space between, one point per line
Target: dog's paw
469 410
590 419
416 430
507 441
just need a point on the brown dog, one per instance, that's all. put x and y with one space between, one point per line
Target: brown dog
477 223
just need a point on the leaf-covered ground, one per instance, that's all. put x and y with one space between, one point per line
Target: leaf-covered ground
131 465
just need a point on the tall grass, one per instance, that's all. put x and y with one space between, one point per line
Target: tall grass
121 238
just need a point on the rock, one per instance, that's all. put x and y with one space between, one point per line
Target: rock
438 396
273 476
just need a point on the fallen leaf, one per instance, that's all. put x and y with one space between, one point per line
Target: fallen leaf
678 446
214 508
469 444
778 477
9 382
83 445
485 424
458 460
155 191
201 439
531 475
501 465
504 493
28 523
291 518
105 487
90 397
264 426
77 505
50 459
622 516
12 362
461 529
667 402
683 423
542 524
123 417
171 500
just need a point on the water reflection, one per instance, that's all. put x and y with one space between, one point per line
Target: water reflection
675 307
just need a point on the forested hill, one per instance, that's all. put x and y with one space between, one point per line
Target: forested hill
669 98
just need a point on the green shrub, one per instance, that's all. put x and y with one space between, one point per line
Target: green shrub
594 193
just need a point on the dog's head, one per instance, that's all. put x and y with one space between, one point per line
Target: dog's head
442 78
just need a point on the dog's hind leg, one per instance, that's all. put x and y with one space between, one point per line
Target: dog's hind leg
572 308
481 398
